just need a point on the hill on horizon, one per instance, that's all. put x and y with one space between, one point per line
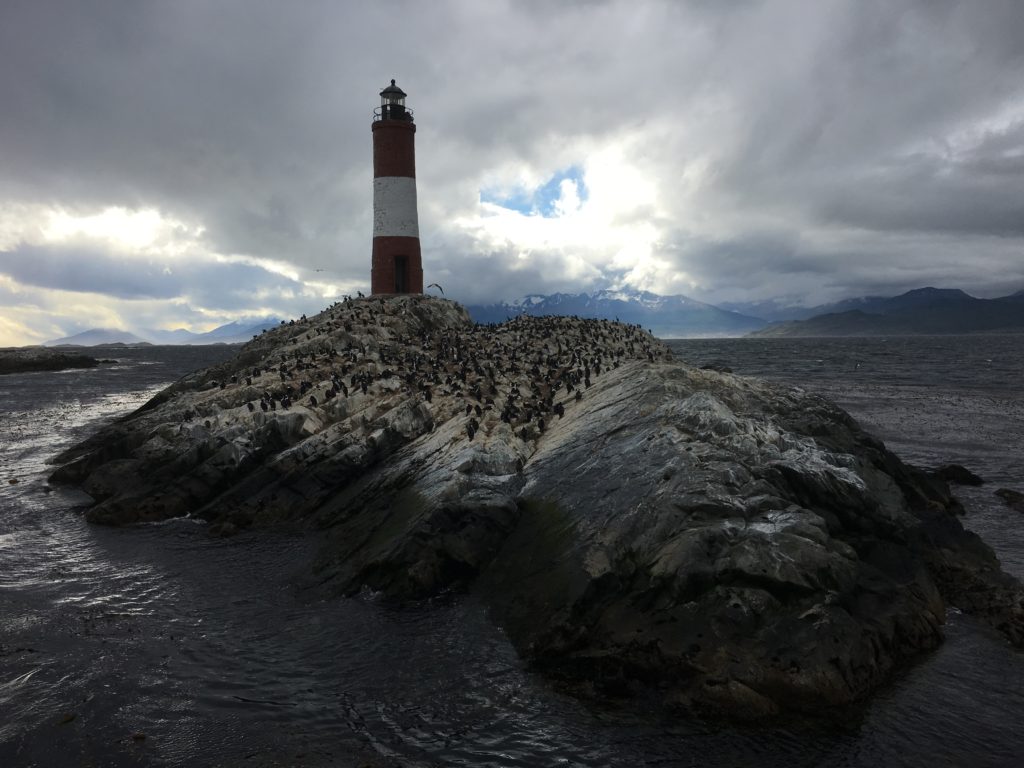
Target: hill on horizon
231 333
923 311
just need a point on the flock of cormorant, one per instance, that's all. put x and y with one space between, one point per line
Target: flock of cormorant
524 372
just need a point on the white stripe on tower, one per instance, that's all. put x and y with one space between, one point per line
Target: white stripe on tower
394 207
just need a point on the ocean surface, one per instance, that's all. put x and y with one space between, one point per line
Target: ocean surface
161 645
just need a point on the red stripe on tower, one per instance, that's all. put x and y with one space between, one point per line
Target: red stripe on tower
396 266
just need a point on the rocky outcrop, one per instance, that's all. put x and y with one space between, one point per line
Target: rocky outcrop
31 359
1013 499
957 475
634 523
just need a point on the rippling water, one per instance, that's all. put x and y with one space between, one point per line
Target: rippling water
160 645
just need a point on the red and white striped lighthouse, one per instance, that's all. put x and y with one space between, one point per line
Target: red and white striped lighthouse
397 266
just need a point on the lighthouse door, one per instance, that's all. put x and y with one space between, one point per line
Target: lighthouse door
401 274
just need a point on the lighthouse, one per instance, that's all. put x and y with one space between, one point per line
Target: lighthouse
396 266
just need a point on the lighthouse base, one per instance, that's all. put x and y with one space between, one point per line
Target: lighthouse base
397 266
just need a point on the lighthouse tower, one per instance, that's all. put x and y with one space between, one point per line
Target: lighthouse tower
396 266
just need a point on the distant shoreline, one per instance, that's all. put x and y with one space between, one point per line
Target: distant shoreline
790 334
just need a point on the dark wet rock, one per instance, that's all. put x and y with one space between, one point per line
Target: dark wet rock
740 548
29 359
957 474
1013 499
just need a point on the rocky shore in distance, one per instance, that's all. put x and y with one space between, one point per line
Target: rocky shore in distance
635 524
29 359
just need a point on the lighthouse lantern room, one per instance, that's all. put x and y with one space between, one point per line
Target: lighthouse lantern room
396 263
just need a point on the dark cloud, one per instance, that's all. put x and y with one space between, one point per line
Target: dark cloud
482 276
834 147
974 190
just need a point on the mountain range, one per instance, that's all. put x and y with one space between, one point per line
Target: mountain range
916 312
664 316
921 311
231 333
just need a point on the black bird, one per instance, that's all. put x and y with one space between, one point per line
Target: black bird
312 400
251 407
435 285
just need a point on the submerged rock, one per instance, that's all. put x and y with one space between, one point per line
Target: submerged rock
1013 499
957 474
634 523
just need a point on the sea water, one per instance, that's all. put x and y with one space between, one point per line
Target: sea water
161 645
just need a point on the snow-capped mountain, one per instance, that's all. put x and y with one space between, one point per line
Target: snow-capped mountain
238 331
666 316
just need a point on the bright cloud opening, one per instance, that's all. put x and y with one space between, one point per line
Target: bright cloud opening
136 229
599 219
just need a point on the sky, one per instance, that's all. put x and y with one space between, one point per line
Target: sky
187 163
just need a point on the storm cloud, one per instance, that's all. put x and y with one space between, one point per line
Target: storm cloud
730 151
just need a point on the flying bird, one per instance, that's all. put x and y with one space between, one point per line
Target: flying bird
435 285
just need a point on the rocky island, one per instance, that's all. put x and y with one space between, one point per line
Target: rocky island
636 525
30 359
